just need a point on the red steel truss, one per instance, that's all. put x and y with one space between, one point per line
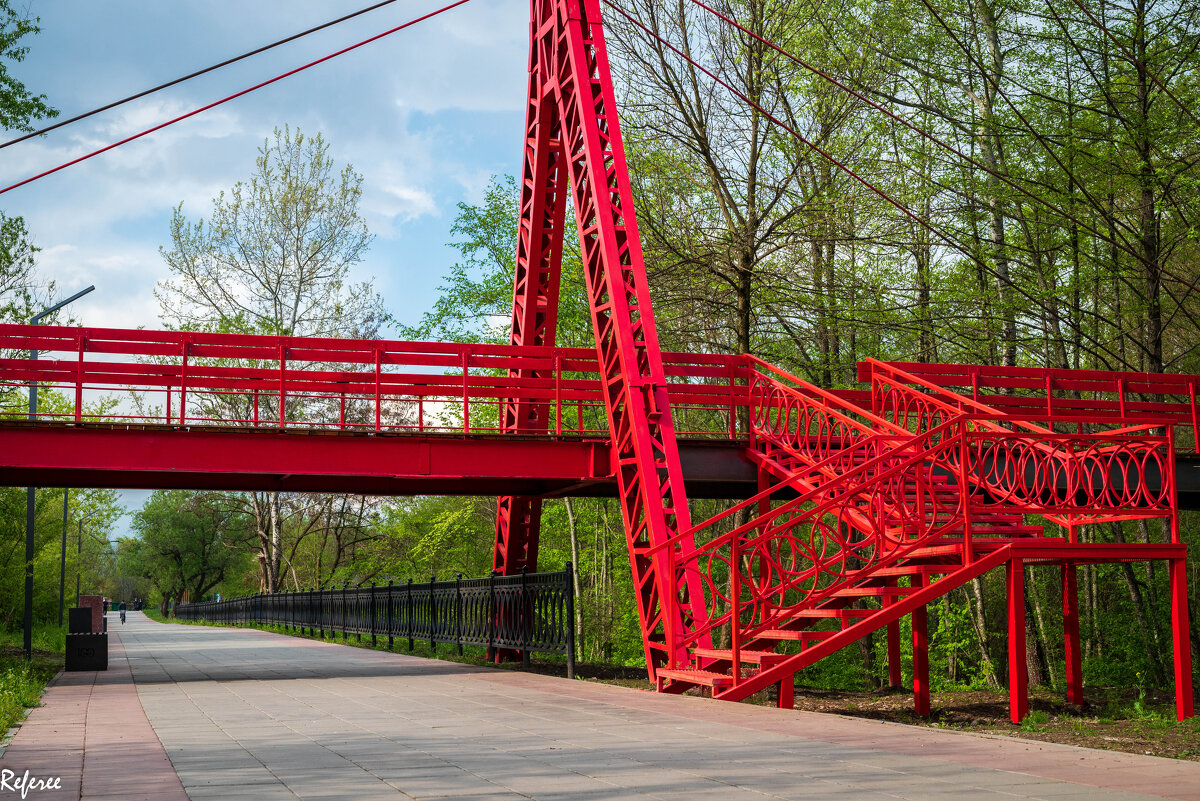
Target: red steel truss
536 279
867 504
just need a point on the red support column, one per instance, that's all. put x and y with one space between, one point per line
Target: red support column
895 679
1070 609
569 48
787 692
1184 708
1018 679
536 278
920 657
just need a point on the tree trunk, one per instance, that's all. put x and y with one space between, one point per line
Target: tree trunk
986 663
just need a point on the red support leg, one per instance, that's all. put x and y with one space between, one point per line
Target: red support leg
1184 707
1070 608
1018 678
569 74
787 692
895 680
920 658
536 277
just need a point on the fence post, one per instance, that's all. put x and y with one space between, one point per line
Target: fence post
491 618
433 621
358 613
524 617
345 634
373 632
408 617
321 611
458 613
389 614
569 576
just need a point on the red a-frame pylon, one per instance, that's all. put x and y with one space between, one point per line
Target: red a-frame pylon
573 139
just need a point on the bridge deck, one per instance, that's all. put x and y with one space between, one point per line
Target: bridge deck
157 456
148 456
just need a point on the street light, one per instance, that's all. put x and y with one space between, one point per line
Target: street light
62 562
29 496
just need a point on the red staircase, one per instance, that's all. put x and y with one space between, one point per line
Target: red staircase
867 518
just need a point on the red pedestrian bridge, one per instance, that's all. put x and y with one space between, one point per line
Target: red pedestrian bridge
854 508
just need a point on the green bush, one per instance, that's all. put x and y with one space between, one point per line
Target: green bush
21 687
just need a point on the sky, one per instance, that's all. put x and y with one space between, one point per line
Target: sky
427 115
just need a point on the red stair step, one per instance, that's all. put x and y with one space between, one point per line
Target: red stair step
790 634
838 613
912 570
752 656
870 592
704 677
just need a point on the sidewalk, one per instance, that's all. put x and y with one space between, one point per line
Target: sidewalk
244 715
92 734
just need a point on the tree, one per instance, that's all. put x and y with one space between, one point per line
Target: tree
21 292
274 258
475 301
188 543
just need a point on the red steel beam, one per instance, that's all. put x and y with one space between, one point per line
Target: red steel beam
569 51
536 277
162 457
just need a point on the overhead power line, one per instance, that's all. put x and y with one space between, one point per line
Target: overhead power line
234 96
189 76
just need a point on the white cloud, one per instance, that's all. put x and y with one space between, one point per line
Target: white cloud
427 116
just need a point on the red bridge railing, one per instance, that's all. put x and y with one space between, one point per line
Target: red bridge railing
189 379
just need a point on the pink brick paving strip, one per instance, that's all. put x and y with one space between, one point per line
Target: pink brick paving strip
91 732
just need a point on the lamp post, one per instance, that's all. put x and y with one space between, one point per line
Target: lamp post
62 561
29 494
78 561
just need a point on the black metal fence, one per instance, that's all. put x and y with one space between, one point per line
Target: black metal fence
529 613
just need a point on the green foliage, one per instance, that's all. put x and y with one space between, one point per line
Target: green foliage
87 555
187 543
21 687
475 302
1035 721
18 106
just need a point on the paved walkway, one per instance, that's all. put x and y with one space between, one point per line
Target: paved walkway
92 735
248 715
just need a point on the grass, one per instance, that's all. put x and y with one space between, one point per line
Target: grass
22 683
1035 720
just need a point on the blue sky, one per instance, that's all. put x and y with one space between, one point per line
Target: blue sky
426 115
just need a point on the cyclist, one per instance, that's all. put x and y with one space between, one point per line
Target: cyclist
122 611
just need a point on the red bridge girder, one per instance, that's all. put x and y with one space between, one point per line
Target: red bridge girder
167 457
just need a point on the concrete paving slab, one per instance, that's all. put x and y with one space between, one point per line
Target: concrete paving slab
432 729
241 714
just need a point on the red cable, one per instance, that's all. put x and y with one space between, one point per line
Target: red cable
214 104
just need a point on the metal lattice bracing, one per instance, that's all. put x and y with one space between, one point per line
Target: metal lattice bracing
572 123
535 306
